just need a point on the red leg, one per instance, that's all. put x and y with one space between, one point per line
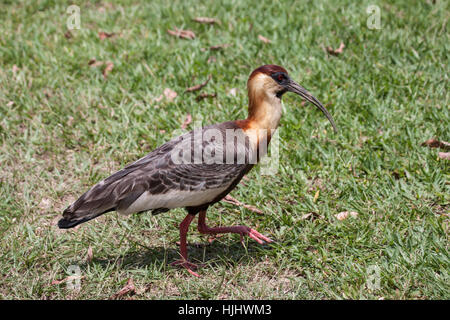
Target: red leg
184 226
242 230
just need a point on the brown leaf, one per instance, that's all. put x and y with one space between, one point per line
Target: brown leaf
68 34
206 20
345 214
216 47
219 47
312 215
198 86
94 63
108 69
434 143
103 35
185 34
57 282
264 39
204 95
444 155
336 52
89 255
128 289
230 199
170 94
187 121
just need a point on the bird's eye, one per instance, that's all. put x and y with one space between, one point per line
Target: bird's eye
280 77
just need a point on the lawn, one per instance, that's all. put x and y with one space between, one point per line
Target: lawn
68 121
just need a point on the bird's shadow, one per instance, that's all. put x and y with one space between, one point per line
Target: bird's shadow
215 254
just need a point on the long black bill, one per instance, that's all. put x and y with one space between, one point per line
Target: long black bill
298 89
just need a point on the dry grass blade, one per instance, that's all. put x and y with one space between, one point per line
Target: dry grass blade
198 86
206 20
184 34
230 199
336 52
434 143
264 39
128 289
89 255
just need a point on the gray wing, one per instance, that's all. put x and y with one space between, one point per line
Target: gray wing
171 170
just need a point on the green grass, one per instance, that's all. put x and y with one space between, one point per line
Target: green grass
63 128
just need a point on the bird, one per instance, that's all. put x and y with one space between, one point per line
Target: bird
197 169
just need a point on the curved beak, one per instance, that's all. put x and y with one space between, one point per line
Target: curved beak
292 86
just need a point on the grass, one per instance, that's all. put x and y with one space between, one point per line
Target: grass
63 127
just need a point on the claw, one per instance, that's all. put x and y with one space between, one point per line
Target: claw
255 235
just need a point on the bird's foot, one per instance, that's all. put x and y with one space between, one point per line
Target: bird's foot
189 266
252 233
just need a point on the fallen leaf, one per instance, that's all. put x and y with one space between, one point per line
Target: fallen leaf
232 92
187 121
198 86
336 52
185 34
216 47
57 282
45 204
312 215
103 35
89 255
94 63
444 155
10 104
264 39
345 214
206 20
128 289
205 95
230 199
108 69
68 34
434 143
170 94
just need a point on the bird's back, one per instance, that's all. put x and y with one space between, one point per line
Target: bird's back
193 170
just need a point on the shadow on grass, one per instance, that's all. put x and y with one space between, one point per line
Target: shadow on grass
216 254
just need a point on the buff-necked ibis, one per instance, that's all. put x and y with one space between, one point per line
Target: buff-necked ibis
197 169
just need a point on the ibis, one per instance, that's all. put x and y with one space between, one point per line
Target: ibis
197 169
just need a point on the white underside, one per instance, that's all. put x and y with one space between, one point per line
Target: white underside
172 199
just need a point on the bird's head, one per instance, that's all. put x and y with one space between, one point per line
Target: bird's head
272 81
